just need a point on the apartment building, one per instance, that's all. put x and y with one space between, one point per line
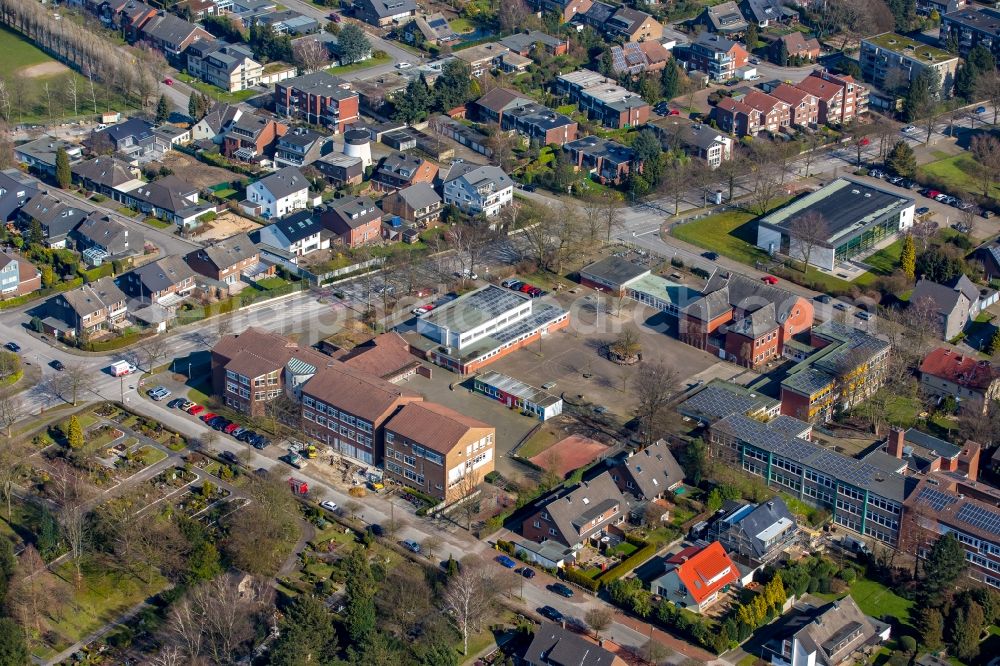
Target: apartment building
227 66
717 56
418 203
803 107
476 189
603 99
892 61
251 137
347 409
18 276
437 450
841 98
540 124
319 99
609 160
864 496
942 504
971 27
400 170
301 147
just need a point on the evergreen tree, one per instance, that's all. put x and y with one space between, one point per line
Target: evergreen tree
752 36
951 43
64 177
162 110
782 53
35 234
307 636
413 105
13 647
902 160
922 95
943 566
451 89
904 12
360 618
966 628
649 153
908 257
930 624
694 460
452 568
74 434
965 80
670 80
354 45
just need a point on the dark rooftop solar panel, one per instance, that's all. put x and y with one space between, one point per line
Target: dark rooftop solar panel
980 517
935 499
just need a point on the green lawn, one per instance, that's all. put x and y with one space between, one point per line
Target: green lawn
150 455
878 601
364 64
158 224
19 53
886 260
731 234
540 441
462 25
199 393
957 173
271 283
903 411
218 93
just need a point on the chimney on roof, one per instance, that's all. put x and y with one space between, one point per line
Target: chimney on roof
895 442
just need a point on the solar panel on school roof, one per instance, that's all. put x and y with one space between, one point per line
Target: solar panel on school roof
980 517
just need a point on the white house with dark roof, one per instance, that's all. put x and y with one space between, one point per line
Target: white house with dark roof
169 198
40 154
108 236
476 189
278 194
755 534
382 13
297 234
830 635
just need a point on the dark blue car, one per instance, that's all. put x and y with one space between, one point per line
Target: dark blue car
506 561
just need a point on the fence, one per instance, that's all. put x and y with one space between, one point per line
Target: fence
319 279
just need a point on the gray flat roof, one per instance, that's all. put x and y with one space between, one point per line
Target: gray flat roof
848 206
475 308
614 270
516 387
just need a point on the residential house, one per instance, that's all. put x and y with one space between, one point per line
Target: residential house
197 9
717 56
842 366
95 306
128 16
482 58
216 123
330 43
437 450
566 9
171 35
18 276
827 635
288 22
278 194
174 135
253 368
540 124
165 281
573 516
774 113
947 373
943 504
400 170
40 155
475 189
766 13
971 27
892 61
953 305
227 260
695 577
942 7
609 160
107 238
803 107
737 117
103 175
603 99
348 410
695 139
377 92
251 137
340 169
134 140
864 497
228 66
491 107
989 255
729 298
633 58
552 645
910 451
754 534
650 473
724 19
841 98
250 11
56 218
301 147
383 13
168 198
297 234
797 46
524 43
15 191
418 203
318 98
597 15
632 25
430 29
353 221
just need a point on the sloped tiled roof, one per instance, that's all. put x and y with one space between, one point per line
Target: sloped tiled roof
435 426
356 392
962 369
707 571
653 470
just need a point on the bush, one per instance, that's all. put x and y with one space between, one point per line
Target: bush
90 275
505 546
628 564
677 263
574 575
701 272
492 477
208 217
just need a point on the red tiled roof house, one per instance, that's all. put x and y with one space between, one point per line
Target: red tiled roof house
695 577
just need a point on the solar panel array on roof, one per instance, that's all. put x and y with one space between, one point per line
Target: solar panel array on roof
438 23
935 499
980 517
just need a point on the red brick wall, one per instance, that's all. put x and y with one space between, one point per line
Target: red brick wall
474 367
793 404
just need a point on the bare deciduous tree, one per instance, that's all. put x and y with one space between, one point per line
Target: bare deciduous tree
467 598
153 349
73 381
986 151
807 232
310 55
11 409
599 619
654 386
988 88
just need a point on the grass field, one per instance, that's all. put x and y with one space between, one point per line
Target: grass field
886 260
877 600
545 437
731 234
957 173
20 55
364 64
462 25
158 224
218 93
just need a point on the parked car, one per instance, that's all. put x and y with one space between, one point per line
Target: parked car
176 403
229 429
237 431
158 393
403 65
527 572
411 546
876 173
208 416
13 346
506 561
169 81
376 529
195 410
923 210
561 589
710 255
840 306
57 365
908 129
895 180
770 279
228 455
418 311
862 315
550 613
328 505
931 194
824 298
980 109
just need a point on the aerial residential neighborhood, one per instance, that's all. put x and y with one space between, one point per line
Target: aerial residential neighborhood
543 332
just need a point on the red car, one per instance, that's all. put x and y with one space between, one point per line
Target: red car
770 279
526 288
230 428
168 81
674 112
195 410
208 417
864 141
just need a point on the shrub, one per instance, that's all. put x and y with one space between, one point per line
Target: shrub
700 272
677 263
574 575
492 477
505 546
908 644
628 564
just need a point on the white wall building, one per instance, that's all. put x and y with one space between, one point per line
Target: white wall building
281 193
478 189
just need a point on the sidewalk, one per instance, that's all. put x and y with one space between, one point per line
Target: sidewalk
668 640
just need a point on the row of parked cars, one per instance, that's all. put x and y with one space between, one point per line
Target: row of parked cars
523 287
928 192
221 423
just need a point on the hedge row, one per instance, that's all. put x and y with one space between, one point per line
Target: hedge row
628 564
574 575
96 273
27 298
